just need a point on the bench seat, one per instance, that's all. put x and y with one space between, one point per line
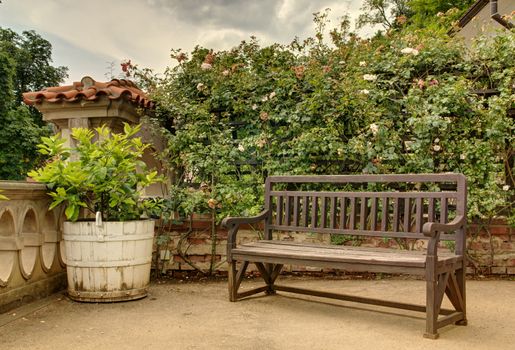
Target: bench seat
364 258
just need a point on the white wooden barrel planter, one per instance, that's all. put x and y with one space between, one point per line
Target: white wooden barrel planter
110 262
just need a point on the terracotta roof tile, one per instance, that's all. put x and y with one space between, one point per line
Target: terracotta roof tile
90 90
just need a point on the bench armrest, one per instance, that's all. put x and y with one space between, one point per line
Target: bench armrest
431 228
231 221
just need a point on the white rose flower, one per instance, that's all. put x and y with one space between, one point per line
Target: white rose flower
200 86
374 128
463 157
362 64
206 66
264 99
225 73
272 95
506 187
370 77
254 107
437 140
241 148
436 148
409 51
364 91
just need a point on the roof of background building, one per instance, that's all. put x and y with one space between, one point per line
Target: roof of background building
90 90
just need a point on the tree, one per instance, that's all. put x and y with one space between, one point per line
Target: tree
391 14
383 12
32 56
25 64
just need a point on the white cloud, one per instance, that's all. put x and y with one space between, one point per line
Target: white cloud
145 31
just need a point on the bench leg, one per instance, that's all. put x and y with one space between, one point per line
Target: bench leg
270 272
232 277
235 277
431 310
460 279
456 293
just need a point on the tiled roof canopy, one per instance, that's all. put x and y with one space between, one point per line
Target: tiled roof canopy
90 90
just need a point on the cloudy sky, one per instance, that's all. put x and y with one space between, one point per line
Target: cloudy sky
87 35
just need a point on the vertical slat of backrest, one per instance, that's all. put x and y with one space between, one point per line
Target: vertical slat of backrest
443 210
296 210
332 215
274 202
419 214
373 212
352 224
287 211
384 216
305 209
363 213
280 204
431 210
269 206
343 212
323 212
395 220
314 212
407 214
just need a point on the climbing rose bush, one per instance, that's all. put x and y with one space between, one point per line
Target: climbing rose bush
399 103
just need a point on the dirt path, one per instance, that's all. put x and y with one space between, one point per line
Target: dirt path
198 316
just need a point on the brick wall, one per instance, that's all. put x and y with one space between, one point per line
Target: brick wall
491 248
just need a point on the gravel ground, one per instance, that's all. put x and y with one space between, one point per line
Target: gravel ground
198 316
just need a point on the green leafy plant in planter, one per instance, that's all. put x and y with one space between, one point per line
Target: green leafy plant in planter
104 176
106 260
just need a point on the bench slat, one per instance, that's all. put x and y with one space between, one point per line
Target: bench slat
407 215
343 212
395 214
431 210
352 224
305 207
385 211
443 210
373 211
287 211
329 194
323 212
419 214
341 254
353 232
279 218
363 214
296 201
314 212
332 214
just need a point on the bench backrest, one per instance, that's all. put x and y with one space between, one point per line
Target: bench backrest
369 205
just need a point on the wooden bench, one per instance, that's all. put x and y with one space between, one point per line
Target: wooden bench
429 207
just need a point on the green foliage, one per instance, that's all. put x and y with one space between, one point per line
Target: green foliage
425 13
437 15
32 55
383 12
400 103
105 175
19 136
24 65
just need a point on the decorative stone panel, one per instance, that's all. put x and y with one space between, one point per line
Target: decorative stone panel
29 244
